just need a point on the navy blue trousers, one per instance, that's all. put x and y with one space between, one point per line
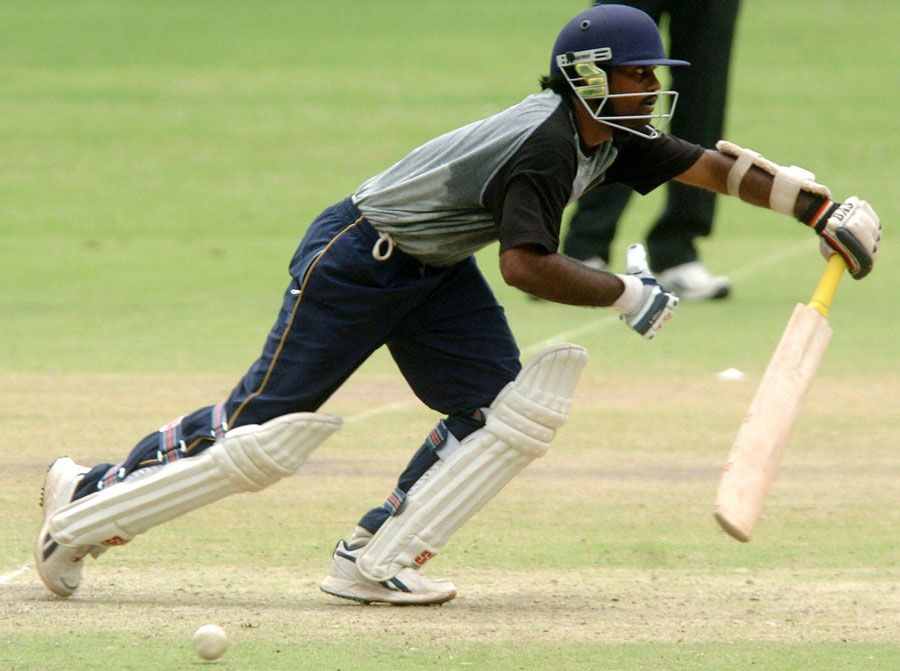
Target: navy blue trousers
443 327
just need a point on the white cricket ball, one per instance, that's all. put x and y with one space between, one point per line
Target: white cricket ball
210 641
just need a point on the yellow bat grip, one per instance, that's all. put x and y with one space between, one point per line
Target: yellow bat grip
824 293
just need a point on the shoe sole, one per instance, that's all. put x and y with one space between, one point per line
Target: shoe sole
335 590
39 559
365 602
718 294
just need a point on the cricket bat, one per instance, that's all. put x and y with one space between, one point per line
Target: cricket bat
764 433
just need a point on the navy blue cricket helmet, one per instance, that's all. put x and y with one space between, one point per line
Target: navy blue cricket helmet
605 36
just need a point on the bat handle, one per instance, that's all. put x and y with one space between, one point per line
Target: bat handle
824 293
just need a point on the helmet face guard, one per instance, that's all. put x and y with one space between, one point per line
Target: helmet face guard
590 82
608 36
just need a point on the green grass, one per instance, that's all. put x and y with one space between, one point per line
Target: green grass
159 162
177 152
155 651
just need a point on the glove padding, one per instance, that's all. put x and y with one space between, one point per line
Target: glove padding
645 304
853 230
655 309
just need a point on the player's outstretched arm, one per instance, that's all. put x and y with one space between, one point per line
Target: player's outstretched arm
645 306
557 278
852 228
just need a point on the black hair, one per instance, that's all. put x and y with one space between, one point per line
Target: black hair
557 83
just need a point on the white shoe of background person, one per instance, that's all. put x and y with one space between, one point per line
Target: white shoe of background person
596 263
59 566
407 588
693 282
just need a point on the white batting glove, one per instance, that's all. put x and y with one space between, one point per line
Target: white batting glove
853 230
645 305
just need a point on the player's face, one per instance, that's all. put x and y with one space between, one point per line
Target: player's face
633 79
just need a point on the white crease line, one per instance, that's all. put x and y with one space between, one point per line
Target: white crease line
747 270
9 577
764 262
605 320
380 410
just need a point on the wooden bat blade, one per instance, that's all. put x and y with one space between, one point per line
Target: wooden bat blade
763 435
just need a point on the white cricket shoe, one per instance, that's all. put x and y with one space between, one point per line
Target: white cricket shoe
59 566
693 282
407 588
596 263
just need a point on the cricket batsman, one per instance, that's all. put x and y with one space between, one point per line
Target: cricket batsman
392 264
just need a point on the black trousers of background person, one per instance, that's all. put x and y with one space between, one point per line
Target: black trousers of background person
701 32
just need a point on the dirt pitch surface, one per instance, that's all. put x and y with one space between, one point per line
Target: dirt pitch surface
595 543
618 605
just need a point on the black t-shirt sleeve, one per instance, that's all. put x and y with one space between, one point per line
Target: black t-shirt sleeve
645 164
528 194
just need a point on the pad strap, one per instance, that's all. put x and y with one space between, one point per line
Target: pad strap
736 175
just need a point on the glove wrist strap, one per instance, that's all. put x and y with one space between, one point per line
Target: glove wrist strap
816 215
631 297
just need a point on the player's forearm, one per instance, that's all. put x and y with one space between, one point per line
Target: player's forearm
850 228
557 278
712 170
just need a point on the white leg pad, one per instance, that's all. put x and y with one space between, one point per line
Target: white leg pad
247 459
521 422
788 180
